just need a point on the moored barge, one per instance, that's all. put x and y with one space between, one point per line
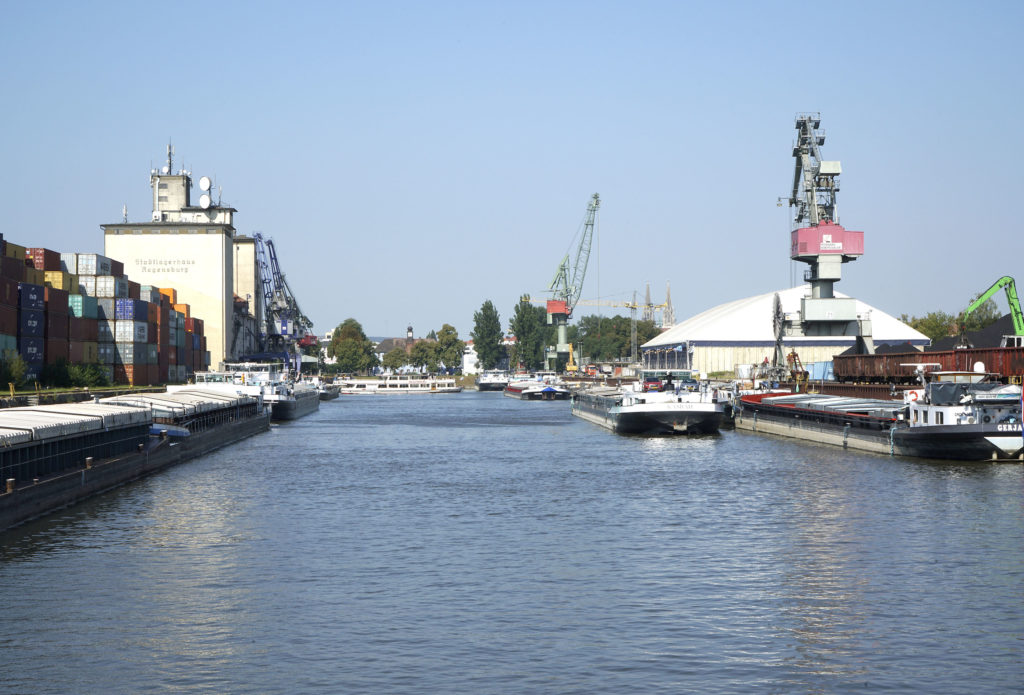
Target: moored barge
631 410
955 416
54 456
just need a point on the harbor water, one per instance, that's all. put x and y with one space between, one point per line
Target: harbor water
472 543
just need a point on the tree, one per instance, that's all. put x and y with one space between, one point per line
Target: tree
449 347
528 330
609 338
487 336
424 354
351 348
431 335
986 314
395 360
935 324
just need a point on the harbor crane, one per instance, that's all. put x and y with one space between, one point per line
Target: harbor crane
566 286
285 328
1004 283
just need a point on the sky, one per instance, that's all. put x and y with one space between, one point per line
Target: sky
412 160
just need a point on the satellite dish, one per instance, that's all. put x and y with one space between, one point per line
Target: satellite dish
166 170
204 201
204 183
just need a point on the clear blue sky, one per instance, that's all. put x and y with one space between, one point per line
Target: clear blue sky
413 159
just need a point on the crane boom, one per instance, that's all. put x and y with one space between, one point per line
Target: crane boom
1006 282
567 287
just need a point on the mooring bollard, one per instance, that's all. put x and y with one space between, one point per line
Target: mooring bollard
35 481
10 485
140 448
88 461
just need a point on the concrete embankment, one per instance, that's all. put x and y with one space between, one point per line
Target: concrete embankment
29 500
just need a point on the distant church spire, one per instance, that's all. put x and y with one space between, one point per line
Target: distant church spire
648 314
668 316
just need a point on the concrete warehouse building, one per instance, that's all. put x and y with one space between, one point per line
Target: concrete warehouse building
743 333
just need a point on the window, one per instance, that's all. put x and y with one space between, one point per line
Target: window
163 186
924 416
162 198
938 418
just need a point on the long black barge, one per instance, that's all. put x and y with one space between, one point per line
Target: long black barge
55 456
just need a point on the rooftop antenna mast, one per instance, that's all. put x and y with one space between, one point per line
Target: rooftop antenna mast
170 157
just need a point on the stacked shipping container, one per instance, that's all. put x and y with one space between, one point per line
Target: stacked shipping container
81 308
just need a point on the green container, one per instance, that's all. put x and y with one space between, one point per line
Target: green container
8 342
82 306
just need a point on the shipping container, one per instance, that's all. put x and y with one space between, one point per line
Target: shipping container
31 296
56 300
154 374
12 268
149 293
131 353
56 349
108 286
8 291
87 285
69 263
57 326
182 309
8 320
170 293
82 306
152 354
33 371
8 345
61 280
31 323
82 352
130 310
95 264
127 374
106 353
105 330
90 347
154 312
116 268
131 332
14 251
106 308
134 289
77 328
35 277
32 348
42 259
151 334
195 325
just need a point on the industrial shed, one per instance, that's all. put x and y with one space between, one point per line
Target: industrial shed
741 333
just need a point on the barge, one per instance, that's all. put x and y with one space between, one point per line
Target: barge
955 416
543 386
55 456
631 410
492 380
288 400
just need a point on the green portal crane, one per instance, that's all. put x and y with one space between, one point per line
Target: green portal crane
1005 282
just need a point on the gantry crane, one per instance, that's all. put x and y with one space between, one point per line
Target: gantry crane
285 327
565 288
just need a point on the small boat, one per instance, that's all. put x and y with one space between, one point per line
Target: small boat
956 415
326 391
688 407
542 386
399 383
492 380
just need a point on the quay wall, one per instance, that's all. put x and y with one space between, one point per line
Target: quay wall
30 500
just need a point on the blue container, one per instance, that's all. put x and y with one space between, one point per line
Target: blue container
32 371
31 323
132 353
31 349
31 296
131 309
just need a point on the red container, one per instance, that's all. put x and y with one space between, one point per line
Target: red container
56 300
117 269
8 320
152 312
76 351
12 268
92 330
194 325
152 335
134 290
162 377
57 326
153 374
8 291
181 309
76 328
42 259
56 348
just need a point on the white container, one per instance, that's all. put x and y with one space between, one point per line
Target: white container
93 264
108 286
87 285
69 263
131 332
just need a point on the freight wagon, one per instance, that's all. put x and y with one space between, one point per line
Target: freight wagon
1007 362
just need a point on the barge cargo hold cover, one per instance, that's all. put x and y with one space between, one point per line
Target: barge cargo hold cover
54 456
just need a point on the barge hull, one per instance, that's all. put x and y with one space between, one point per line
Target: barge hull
34 500
303 405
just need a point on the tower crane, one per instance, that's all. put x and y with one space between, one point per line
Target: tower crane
285 328
566 286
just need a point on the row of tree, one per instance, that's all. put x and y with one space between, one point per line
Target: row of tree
599 338
354 352
939 324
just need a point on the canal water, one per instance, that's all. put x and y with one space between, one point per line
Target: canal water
475 544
